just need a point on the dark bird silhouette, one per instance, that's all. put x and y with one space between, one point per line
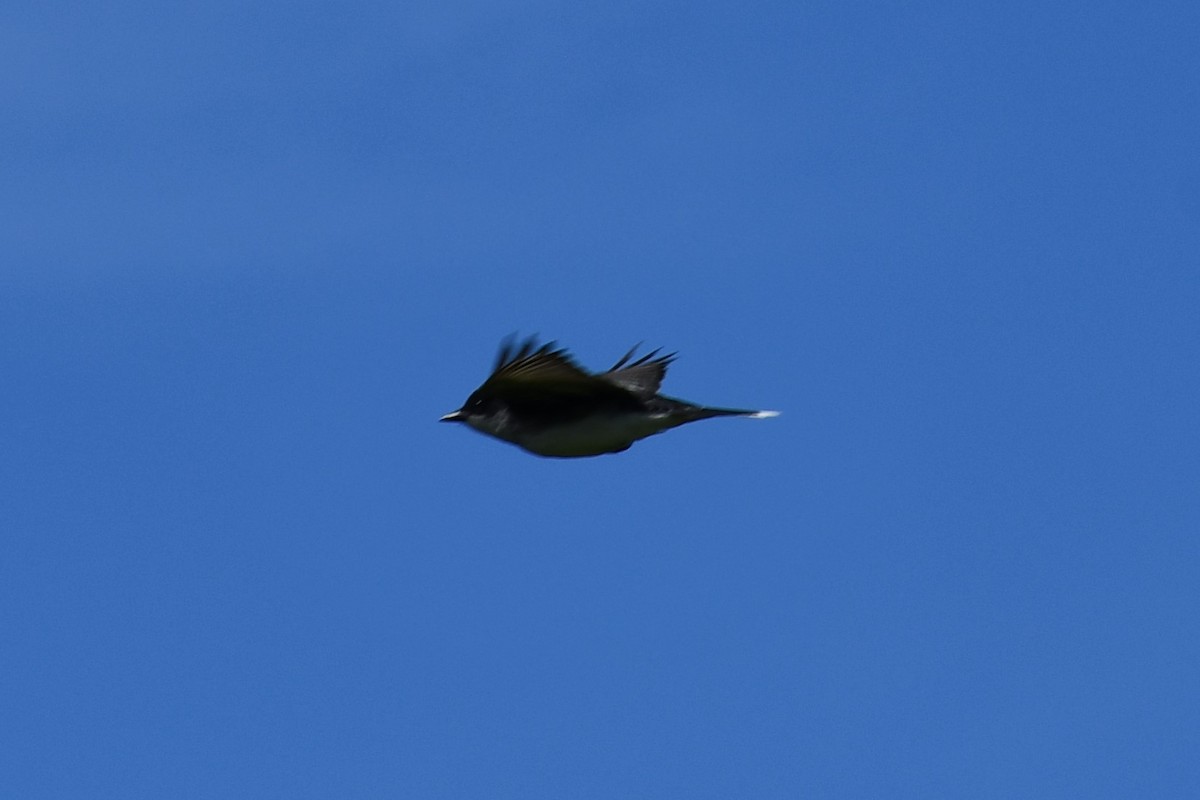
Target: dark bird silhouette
539 399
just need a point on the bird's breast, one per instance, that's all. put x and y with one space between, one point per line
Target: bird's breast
591 436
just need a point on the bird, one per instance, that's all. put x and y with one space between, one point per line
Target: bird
541 400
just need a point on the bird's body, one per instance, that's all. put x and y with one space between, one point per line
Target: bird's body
584 437
538 399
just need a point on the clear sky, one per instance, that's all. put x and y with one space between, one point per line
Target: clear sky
250 252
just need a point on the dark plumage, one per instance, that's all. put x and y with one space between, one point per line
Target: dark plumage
539 399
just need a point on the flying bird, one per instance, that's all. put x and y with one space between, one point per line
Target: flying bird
539 399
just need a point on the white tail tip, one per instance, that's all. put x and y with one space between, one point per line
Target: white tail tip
763 414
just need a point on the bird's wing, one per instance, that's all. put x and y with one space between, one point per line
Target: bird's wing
528 361
643 376
529 374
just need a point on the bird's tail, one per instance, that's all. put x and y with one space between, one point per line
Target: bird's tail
706 413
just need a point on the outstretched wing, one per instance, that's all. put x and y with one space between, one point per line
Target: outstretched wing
526 361
545 379
641 377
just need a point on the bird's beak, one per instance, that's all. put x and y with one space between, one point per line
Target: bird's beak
454 416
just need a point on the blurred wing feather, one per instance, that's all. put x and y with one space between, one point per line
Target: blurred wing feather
642 377
528 374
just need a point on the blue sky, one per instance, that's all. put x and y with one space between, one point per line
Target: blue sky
252 251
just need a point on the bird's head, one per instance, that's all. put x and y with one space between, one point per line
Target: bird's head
480 412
